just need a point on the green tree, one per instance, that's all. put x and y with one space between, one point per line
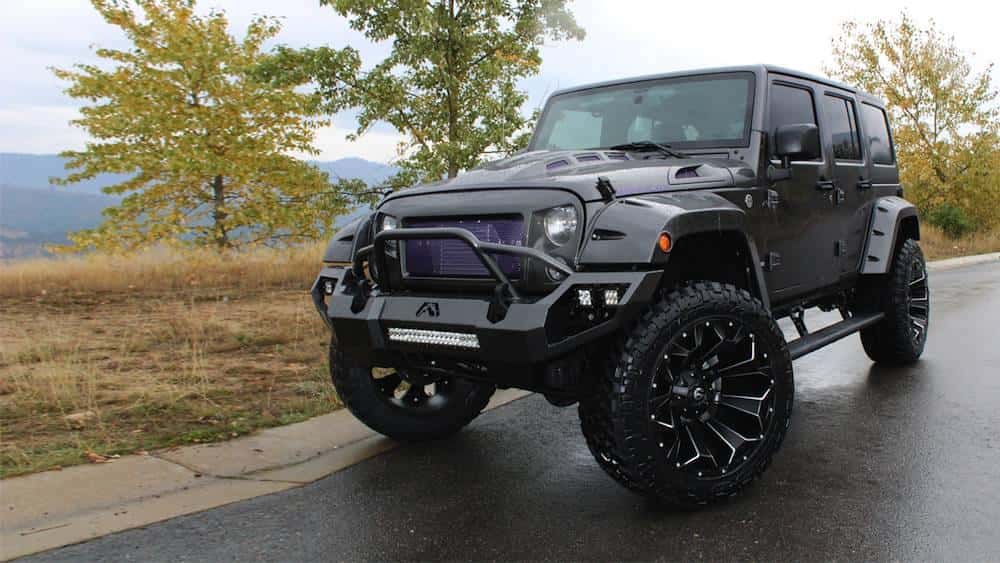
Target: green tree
945 117
449 84
204 140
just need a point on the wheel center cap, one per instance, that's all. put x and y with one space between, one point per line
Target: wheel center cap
698 394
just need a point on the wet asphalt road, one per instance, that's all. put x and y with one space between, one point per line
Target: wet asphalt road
879 464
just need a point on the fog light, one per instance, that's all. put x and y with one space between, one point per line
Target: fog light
328 287
610 297
584 297
554 274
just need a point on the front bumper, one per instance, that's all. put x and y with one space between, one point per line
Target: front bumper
523 336
382 325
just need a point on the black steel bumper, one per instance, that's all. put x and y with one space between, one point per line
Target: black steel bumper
361 315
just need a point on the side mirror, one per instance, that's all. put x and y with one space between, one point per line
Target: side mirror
799 141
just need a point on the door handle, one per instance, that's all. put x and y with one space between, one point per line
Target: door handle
826 185
864 184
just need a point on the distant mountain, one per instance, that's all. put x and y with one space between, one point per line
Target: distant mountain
35 212
34 171
32 218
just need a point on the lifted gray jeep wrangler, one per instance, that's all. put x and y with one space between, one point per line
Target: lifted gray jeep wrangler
635 260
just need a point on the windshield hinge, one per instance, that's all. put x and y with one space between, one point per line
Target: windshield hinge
605 188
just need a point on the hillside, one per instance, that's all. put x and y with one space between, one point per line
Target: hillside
34 212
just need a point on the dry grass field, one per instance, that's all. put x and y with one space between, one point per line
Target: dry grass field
937 246
103 355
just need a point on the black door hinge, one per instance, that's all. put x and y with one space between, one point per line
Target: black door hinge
841 196
773 200
840 248
772 262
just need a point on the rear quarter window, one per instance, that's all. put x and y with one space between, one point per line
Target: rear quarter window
876 126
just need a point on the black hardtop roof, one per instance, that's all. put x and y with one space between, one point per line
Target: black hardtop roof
760 69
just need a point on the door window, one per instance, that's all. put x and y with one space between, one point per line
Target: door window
790 106
843 127
877 130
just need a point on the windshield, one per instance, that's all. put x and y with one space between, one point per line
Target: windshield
684 112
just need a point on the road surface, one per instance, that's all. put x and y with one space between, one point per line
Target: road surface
880 463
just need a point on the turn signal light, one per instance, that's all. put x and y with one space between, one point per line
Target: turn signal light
664 242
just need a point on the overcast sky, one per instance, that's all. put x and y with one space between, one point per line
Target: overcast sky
624 38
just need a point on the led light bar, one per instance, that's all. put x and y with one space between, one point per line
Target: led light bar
434 338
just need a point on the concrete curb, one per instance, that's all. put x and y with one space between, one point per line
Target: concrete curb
57 508
963 261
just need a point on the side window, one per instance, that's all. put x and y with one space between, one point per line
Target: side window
791 105
843 127
877 131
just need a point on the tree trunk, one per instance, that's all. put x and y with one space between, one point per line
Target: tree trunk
219 213
452 106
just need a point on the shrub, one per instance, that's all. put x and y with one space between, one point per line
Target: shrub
952 220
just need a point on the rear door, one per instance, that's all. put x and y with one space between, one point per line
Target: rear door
850 187
802 225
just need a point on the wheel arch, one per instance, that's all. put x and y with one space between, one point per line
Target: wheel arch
893 221
724 256
340 249
709 240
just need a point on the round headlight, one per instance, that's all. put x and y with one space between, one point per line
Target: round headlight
388 222
560 224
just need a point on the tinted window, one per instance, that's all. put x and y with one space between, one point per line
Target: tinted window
843 128
791 105
877 131
686 112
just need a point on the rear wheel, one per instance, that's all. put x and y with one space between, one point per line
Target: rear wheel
407 404
904 296
697 400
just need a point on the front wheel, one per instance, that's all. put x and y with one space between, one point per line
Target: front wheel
696 400
409 405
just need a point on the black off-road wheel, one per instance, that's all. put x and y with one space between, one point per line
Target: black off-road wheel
904 296
406 404
697 399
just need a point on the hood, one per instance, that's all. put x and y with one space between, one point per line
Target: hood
578 171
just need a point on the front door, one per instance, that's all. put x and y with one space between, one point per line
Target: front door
800 243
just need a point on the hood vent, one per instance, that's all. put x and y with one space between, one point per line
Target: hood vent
584 157
687 172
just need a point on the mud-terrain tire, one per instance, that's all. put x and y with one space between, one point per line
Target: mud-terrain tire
620 418
455 403
904 296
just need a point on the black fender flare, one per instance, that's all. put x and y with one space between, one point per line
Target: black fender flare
889 215
625 232
340 249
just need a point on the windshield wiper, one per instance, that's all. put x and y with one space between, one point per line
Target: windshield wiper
638 146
